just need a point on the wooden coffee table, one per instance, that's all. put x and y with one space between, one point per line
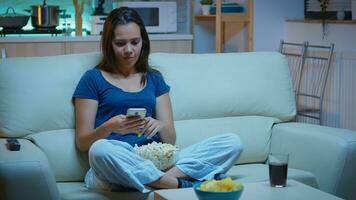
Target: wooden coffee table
258 190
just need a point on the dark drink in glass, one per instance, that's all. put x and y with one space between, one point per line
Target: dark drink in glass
278 169
278 174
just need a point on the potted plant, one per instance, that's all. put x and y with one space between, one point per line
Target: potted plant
206 4
323 6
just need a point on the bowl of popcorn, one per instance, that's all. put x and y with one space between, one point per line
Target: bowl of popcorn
163 155
226 189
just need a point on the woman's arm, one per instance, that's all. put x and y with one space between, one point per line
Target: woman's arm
164 114
86 134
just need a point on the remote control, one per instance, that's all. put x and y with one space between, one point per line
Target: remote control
13 144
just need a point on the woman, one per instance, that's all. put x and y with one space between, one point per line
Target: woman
123 80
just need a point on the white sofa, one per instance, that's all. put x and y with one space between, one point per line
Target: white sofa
249 94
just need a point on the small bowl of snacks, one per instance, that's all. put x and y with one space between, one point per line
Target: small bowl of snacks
226 189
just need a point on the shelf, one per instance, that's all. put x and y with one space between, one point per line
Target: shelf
240 19
205 17
225 17
319 21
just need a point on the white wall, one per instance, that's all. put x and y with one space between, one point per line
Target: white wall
269 18
204 33
342 35
340 95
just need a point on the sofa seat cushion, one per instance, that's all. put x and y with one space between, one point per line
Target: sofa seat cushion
254 132
67 163
259 172
77 191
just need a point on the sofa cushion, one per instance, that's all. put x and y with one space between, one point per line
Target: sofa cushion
36 92
67 163
228 84
25 172
254 131
329 153
202 86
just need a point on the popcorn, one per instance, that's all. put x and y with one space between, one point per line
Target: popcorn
163 155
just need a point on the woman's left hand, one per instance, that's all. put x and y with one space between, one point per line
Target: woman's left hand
153 126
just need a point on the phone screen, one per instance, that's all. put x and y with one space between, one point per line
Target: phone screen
136 112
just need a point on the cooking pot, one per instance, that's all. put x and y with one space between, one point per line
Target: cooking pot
44 16
13 20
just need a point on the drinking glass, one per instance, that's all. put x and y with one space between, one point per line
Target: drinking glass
278 169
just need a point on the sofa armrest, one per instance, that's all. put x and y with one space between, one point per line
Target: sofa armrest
329 153
25 174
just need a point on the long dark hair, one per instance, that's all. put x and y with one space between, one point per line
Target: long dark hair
117 17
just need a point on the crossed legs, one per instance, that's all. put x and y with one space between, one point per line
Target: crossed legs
202 161
115 163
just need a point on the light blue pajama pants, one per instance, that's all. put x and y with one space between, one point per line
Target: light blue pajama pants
115 165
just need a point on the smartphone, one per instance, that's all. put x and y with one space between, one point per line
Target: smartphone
136 112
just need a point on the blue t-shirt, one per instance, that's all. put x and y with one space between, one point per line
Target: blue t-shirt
113 101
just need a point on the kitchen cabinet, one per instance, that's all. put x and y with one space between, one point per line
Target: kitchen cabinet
241 20
156 46
33 49
49 46
81 47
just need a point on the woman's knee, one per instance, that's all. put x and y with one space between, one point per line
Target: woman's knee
102 151
233 142
98 151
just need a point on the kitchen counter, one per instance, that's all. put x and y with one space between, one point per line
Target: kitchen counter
319 21
46 38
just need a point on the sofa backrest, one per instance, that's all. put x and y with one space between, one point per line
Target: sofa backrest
230 84
36 92
35 100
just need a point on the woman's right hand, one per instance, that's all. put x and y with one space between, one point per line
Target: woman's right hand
124 125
